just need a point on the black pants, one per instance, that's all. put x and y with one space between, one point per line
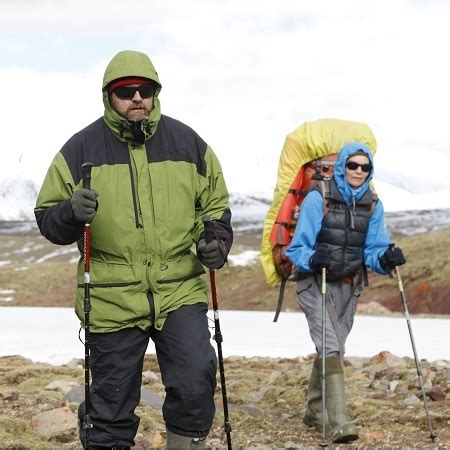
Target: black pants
188 367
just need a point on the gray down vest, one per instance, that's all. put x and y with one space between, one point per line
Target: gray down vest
344 230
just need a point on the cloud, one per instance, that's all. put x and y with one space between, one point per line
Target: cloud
242 74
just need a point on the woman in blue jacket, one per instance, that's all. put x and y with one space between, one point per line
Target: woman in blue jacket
341 229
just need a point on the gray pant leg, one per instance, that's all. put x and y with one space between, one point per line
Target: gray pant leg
346 310
343 297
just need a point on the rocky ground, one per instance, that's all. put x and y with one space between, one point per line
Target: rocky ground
38 403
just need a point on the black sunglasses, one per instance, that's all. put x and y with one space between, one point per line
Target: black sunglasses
128 92
352 165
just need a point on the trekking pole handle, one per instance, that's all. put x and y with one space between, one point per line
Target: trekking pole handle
86 172
209 228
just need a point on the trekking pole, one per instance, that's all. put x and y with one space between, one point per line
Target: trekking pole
432 436
87 425
209 235
323 290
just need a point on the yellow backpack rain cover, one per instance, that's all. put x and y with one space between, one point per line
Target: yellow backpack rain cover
308 142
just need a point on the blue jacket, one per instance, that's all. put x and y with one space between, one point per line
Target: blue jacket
311 216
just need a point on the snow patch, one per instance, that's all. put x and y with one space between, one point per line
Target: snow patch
287 338
59 252
244 259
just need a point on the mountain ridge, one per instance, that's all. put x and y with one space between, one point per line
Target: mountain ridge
18 197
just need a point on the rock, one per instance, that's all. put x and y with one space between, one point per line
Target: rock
250 410
387 359
11 396
393 385
64 386
427 385
54 421
75 395
153 439
376 395
437 393
413 400
380 385
148 376
151 399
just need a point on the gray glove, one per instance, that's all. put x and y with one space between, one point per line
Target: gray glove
213 254
84 205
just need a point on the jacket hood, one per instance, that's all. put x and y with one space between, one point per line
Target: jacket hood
129 63
347 191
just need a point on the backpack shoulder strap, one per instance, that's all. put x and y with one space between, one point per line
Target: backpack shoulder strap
323 186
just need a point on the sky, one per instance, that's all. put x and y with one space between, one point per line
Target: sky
243 74
51 335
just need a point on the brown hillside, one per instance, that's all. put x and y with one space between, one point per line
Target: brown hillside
39 280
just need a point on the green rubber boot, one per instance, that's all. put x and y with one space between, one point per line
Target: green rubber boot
176 441
341 429
313 414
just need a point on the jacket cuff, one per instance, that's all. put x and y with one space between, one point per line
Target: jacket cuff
67 214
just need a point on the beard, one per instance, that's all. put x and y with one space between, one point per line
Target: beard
136 115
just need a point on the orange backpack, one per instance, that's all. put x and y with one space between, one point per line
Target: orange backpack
286 221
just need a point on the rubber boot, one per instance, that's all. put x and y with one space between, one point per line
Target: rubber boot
341 429
176 441
313 414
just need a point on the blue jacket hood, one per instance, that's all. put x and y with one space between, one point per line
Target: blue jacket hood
345 189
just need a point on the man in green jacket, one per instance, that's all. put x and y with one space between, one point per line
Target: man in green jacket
153 181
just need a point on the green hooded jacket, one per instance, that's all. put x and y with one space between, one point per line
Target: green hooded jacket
152 199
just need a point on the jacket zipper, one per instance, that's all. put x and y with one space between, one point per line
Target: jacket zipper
353 214
151 304
133 191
